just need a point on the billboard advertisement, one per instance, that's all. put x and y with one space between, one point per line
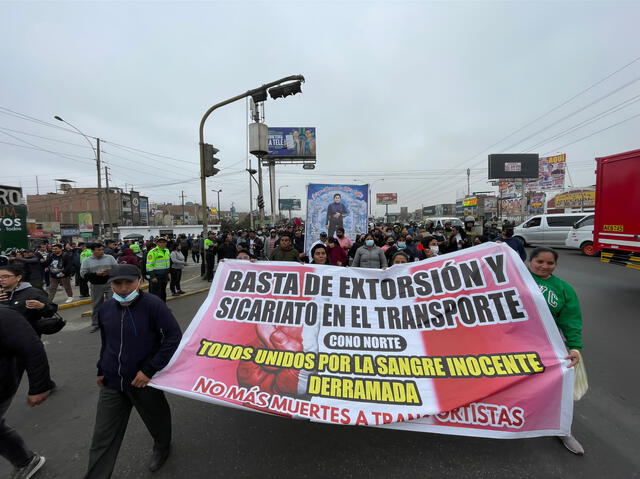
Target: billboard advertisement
386 198
293 204
470 201
513 165
85 222
463 344
551 172
144 211
330 207
287 142
536 202
135 207
574 199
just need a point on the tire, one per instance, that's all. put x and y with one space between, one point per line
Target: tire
523 241
588 249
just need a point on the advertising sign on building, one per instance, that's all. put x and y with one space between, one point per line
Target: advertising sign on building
551 172
13 218
70 232
144 211
135 207
536 203
330 207
85 222
470 201
386 198
573 199
287 142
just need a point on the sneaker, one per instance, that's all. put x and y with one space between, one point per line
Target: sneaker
69 300
572 444
37 461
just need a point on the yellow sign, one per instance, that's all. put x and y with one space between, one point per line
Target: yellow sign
472 201
575 199
617 228
557 159
214 211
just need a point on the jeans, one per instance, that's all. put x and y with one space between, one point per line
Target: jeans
12 447
112 418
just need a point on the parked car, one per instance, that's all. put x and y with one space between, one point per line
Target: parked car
547 229
581 236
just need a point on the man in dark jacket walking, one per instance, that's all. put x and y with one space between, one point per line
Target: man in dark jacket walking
139 336
20 349
61 271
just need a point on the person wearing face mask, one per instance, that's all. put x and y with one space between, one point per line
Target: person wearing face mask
369 255
411 248
388 243
399 246
429 247
343 240
139 335
337 255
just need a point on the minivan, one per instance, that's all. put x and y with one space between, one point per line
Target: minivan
581 236
440 221
550 230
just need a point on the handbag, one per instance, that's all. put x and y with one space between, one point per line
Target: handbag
50 325
581 384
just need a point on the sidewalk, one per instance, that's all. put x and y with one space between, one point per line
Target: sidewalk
191 282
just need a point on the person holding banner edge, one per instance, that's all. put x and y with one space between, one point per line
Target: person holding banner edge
565 309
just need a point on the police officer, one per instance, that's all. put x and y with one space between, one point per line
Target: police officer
210 249
158 264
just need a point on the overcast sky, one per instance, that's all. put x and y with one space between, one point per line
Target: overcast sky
406 91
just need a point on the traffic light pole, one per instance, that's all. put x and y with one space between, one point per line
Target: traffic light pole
203 178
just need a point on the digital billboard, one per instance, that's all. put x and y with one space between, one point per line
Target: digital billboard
513 165
288 142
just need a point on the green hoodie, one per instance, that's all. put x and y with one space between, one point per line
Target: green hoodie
565 308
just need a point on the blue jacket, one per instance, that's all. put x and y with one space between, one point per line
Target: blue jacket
139 337
516 245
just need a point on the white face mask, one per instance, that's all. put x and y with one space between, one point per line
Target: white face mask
434 249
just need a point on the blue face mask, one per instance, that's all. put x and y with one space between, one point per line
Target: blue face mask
402 244
368 243
127 299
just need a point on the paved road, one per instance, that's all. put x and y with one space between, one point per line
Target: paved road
212 441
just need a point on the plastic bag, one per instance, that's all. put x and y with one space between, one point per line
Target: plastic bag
581 384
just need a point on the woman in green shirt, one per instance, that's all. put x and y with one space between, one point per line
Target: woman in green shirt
565 309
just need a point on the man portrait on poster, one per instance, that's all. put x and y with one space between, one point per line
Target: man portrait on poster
336 211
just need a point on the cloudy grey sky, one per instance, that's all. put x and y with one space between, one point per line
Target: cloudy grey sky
406 91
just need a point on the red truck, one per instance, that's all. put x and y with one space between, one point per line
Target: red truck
616 230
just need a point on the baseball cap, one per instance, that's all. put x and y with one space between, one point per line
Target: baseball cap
124 271
323 233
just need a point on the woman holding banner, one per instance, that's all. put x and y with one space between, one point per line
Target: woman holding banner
565 309
369 255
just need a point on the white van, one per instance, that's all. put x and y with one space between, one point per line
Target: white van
581 236
549 230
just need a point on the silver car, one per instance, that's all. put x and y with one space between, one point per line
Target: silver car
550 230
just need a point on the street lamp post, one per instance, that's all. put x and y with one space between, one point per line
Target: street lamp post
219 215
96 151
279 210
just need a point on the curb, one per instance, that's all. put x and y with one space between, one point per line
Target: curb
87 314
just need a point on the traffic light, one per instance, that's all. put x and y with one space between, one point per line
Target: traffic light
260 202
210 160
285 90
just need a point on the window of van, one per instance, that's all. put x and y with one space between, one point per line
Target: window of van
559 221
533 222
588 221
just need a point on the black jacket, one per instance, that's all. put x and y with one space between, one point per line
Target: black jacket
20 349
64 262
23 292
140 337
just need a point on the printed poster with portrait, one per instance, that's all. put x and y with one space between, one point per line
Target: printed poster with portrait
330 207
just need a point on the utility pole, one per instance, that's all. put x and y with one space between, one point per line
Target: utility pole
468 182
110 223
100 204
272 189
184 222
37 186
250 196
260 193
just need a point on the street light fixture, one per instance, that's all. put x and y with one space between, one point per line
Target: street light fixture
96 151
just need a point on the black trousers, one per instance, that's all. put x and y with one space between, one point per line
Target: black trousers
176 276
84 286
195 256
12 447
211 262
112 418
159 288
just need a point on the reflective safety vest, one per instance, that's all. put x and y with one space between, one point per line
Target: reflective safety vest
84 254
135 247
158 262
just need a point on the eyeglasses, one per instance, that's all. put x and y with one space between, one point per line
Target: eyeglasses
6 276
